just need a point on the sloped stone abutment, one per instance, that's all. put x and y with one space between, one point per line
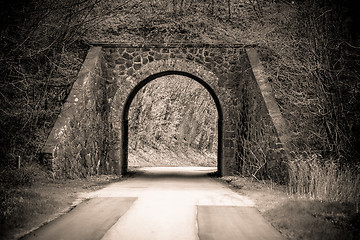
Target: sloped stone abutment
91 133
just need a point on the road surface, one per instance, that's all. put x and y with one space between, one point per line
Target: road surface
162 204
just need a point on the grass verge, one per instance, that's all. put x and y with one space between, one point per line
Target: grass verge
299 217
24 208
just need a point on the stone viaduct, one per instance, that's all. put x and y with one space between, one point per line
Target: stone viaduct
90 135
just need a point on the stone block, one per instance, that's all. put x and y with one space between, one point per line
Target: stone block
158 56
229 143
137 66
229 153
127 56
189 57
137 59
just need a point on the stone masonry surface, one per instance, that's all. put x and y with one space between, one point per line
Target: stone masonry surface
94 131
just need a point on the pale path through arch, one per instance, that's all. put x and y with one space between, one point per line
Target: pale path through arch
125 120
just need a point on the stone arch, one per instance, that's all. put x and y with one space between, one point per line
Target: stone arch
131 66
122 100
139 86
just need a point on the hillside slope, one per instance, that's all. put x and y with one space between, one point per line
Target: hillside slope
310 50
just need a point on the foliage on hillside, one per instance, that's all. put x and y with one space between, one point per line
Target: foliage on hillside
311 53
310 50
175 111
39 61
315 74
186 21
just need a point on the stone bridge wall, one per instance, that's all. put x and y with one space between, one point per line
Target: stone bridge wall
94 138
77 145
222 69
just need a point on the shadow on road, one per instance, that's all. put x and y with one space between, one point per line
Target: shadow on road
158 173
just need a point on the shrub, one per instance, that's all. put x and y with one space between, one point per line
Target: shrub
25 176
327 180
40 55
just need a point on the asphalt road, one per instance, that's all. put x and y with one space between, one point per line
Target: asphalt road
162 204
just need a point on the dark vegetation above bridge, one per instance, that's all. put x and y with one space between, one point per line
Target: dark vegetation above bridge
310 49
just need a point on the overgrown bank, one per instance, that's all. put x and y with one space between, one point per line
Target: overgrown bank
311 53
310 50
41 52
39 200
298 217
40 55
312 60
312 64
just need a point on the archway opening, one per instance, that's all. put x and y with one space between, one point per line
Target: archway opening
169 116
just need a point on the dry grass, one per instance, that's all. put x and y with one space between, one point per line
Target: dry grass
298 217
26 207
324 180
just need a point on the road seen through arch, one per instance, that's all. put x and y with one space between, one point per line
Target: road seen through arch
165 204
